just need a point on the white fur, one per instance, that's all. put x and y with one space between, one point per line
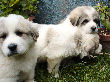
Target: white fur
90 45
18 67
56 42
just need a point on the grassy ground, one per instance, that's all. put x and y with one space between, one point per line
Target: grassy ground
75 70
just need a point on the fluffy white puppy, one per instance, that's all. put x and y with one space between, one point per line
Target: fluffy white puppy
56 42
72 37
87 20
17 57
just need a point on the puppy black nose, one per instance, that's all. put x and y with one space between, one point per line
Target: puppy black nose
12 47
93 28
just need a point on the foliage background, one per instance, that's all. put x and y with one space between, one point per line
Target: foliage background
22 7
104 13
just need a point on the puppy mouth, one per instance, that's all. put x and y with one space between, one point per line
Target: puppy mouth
13 54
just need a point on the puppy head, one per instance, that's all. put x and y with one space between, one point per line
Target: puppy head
85 18
16 35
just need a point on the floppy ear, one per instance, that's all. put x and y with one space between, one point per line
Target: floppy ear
75 21
34 33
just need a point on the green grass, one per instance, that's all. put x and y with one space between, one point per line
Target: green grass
75 70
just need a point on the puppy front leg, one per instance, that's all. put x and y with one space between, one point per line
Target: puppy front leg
53 66
83 54
84 51
31 76
98 50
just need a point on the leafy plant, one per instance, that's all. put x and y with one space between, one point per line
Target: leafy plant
22 7
104 13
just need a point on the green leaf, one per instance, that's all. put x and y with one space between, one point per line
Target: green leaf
18 7
16 12
24 5
5 1
107 24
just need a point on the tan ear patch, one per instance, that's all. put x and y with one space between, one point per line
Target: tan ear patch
34 35
75 21
72 21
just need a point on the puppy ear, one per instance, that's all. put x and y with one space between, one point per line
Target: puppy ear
75 21
34 35
34 31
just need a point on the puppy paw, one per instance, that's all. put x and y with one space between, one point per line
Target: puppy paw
99 49
56 75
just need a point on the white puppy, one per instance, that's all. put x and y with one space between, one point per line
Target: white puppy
72 37
87 20
17 56
56 42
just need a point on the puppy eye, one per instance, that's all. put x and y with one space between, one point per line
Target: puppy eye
3 36
97 21
85 21
19 33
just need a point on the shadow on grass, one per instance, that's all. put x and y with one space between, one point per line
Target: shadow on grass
76 69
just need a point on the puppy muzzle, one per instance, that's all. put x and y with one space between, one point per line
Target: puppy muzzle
13 49
12 54
94 29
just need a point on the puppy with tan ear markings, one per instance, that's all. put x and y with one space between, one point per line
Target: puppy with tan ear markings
17 49
76 35
87 20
